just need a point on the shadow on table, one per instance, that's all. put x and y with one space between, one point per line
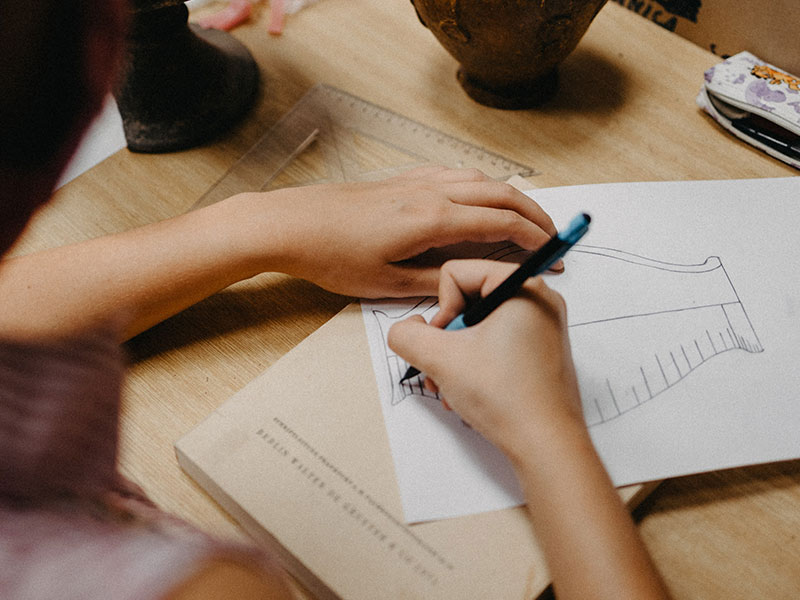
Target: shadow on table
720 486
588 82
277 304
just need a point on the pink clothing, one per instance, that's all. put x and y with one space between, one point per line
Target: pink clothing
70 525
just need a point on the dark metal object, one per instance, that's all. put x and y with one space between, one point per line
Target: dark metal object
181 85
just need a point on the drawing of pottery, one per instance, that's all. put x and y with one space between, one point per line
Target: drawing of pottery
631 342
508 51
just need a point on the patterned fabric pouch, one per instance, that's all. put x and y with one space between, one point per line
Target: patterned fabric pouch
756 102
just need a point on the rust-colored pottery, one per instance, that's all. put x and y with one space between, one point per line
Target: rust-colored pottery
508 50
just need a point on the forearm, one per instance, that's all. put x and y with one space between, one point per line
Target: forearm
534 417
134 279
356 239
591 544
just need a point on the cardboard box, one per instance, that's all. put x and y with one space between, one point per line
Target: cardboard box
726 27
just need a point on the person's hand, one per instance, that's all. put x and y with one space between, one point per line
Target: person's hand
361 239
510 376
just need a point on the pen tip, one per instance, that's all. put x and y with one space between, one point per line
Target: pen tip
412 372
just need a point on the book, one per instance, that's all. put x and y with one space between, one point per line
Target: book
300 458
686 291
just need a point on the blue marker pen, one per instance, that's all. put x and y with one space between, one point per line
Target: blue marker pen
538 263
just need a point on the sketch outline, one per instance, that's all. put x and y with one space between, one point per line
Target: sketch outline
730 328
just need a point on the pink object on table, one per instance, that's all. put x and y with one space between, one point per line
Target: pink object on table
237 12
276 14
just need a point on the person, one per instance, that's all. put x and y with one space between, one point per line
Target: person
525 401
354 239
71 525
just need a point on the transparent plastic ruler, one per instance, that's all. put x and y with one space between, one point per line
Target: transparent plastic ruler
333 136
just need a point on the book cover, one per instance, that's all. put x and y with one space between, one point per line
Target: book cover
300 458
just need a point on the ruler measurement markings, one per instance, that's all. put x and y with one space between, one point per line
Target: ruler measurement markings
335 114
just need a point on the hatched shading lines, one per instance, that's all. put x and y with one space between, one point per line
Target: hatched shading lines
604 411
412 387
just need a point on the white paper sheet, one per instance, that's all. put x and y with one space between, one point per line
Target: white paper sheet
103 138
684 319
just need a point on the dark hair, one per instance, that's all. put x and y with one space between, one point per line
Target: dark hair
43 88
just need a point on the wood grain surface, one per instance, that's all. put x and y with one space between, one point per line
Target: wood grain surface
624 111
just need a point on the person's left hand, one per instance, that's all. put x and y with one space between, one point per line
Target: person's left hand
361 239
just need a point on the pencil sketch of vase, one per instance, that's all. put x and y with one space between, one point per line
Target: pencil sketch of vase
508 51
631 341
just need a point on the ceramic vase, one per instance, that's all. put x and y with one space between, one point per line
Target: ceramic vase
181 85
508 50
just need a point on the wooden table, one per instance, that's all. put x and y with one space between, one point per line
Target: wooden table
625 111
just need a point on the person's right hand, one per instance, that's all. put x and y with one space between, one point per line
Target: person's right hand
510 376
